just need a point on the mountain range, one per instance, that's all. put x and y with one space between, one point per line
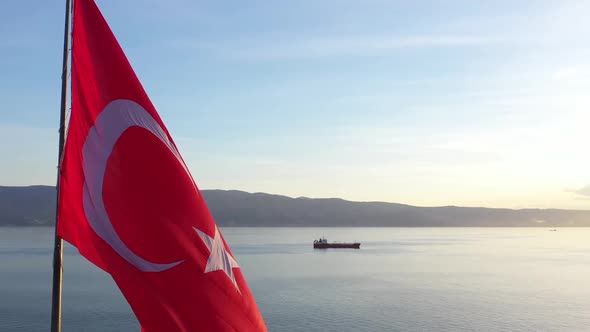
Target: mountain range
35 206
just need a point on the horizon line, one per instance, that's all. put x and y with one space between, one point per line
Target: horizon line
347 200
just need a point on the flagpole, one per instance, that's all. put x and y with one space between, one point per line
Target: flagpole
58 250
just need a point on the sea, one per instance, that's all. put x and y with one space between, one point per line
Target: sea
402 279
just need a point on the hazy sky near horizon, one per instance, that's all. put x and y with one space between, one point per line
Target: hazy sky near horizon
477 103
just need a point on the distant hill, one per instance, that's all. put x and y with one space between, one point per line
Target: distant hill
35 205
27 206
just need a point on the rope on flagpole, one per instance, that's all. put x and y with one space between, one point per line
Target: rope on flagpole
58 250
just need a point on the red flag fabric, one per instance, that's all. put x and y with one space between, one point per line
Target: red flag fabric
129 204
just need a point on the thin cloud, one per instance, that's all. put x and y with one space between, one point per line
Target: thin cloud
284 48
353 46
584 191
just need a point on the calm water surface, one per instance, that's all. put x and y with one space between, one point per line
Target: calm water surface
402 279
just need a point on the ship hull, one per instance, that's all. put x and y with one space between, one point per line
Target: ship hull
337 245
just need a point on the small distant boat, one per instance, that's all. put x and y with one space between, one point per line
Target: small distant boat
323 243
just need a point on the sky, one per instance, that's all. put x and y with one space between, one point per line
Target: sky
471 103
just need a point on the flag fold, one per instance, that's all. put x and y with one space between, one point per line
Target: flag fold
129 204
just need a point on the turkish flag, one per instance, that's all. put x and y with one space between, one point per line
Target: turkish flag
128 202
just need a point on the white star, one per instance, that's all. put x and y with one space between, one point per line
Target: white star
219 258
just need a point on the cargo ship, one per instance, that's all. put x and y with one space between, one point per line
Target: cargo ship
323 243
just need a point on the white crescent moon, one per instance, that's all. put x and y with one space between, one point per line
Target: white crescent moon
111 123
